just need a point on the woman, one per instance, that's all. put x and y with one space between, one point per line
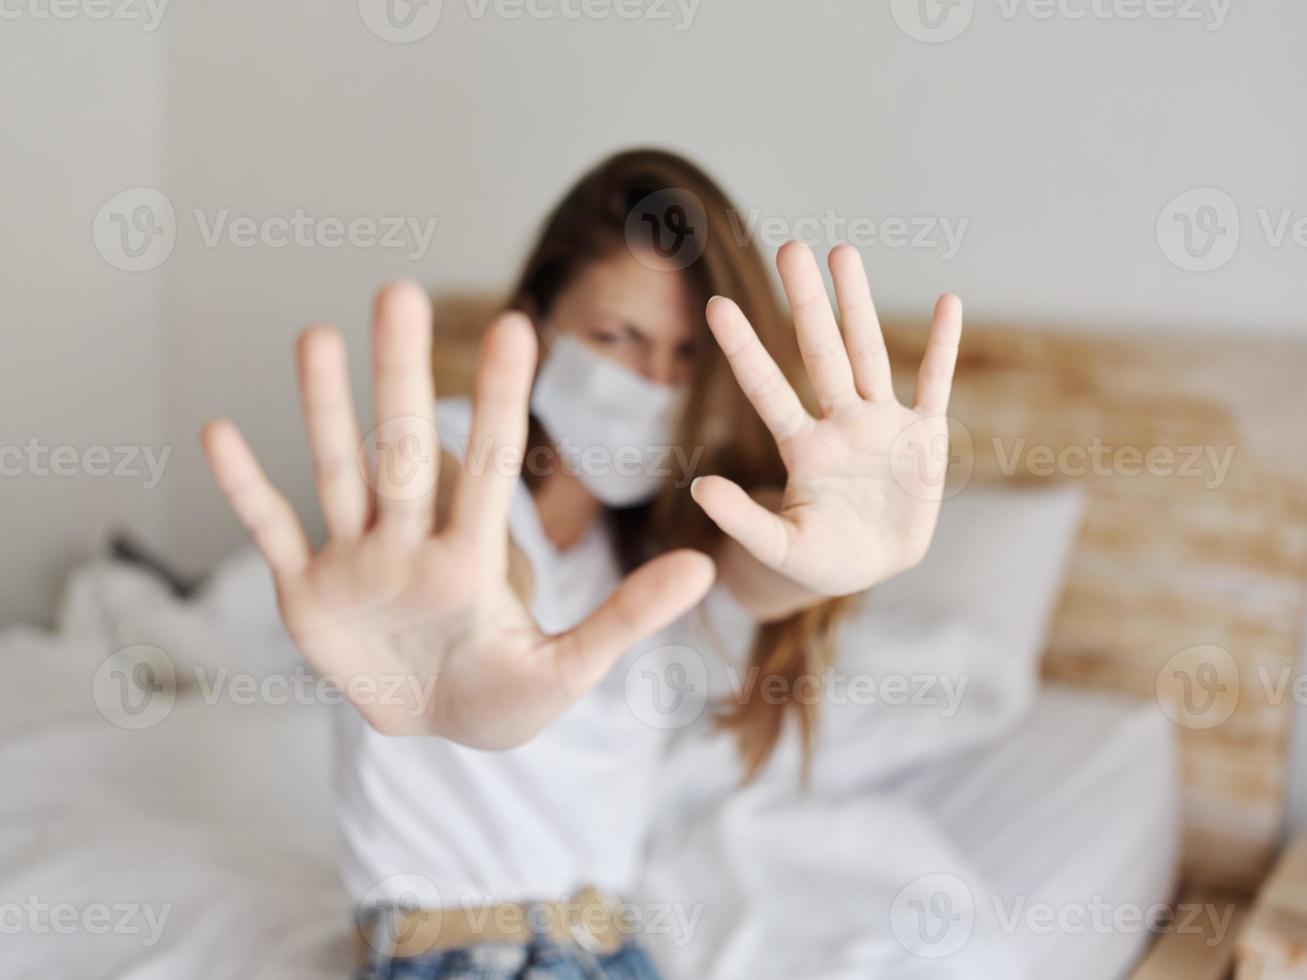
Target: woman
492 599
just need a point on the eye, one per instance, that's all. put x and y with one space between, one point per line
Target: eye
687 351
606 337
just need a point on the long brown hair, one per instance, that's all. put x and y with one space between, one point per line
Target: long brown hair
591 224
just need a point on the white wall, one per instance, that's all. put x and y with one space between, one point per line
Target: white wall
81 116
1060 141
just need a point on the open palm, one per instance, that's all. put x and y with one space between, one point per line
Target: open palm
417 624
865 478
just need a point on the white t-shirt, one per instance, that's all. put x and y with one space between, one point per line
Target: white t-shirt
567 809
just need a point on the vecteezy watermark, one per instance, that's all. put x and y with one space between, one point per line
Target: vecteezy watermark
934 916
148 13
136 230
406 21
412 692
397 459
299 229
36 917
35 459
400 21
933 21
667 229
136 688
933 458
1198 231
668 688
1199 687
389 915
679 13
1202 229
1099 917
938 21
675 464
1211 15
1211 464
939 234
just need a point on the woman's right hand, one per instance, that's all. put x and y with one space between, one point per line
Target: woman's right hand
419 625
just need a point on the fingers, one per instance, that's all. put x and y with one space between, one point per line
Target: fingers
648 599
762 533
333 430
862 336
761 380
820 342
935 378
407 451
264 512
501 395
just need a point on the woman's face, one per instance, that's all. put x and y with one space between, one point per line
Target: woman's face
636 311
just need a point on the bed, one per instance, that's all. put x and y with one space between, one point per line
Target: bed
211 834
220 821
1079 804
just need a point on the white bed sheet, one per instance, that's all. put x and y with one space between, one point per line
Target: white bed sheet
1080 803
222 815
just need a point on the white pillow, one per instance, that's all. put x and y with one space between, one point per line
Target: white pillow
998 557
939 660
953 646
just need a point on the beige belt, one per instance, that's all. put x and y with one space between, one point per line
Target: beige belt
590 920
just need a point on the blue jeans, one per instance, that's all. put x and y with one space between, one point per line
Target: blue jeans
541 959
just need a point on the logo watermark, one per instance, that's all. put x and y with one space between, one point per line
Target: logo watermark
940 21
1198 231
668 229
136 688
136 230
147 13
1198 688
1202 230
1202 686
1211 464
400 21
940 234
934 917
35 459
933 458
669 687
391 915
35 916
933 461
407 21
397 463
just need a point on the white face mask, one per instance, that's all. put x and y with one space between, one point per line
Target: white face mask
612 426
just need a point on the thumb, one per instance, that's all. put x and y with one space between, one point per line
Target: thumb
648 599
762 533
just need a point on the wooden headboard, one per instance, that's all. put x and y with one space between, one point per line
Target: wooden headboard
1187 584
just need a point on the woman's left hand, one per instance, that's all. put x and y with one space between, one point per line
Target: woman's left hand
866 477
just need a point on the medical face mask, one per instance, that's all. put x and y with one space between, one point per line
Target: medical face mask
613 427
